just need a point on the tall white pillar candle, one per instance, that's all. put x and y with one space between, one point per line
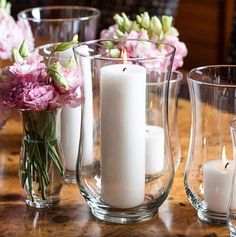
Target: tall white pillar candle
70 123
154 149
123 135
70 135
71 117
87 117
217 185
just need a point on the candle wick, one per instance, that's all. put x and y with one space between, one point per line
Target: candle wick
125 68
226 165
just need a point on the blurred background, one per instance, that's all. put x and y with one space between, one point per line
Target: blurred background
206 26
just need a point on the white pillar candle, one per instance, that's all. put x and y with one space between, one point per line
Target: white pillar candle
87 117
70 135
217 185
71 117
70 124
154 149
123 135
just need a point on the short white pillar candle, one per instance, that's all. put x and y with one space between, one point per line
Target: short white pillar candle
217 180
123 135
154 149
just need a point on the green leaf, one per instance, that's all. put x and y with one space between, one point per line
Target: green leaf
58 78
24 52
56 160
64 46
61 47
16 57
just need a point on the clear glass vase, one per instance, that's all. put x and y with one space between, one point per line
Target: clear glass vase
174 88
231 215
125 168
52 24
41 167
209 167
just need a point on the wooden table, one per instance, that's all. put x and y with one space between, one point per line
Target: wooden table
73 217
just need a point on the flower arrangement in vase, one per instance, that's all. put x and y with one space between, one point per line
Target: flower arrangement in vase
38 87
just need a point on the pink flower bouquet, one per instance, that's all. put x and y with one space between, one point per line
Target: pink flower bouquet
147 28
31 84
12 33
38 86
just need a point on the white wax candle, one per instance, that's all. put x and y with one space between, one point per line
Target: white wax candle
217 185
70 135
87 118
70 123
154 150
123 135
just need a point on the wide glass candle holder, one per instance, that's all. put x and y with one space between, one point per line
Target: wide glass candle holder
125 168
209 168
51 24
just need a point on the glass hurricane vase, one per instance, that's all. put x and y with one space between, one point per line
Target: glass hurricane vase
209 168
125 168
41 167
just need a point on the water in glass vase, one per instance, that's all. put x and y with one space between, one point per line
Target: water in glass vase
41 168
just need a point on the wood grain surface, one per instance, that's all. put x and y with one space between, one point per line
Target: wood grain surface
72 217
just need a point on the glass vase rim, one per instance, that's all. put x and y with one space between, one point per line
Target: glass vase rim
217 66
96 41
180 76
95 13
44 47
